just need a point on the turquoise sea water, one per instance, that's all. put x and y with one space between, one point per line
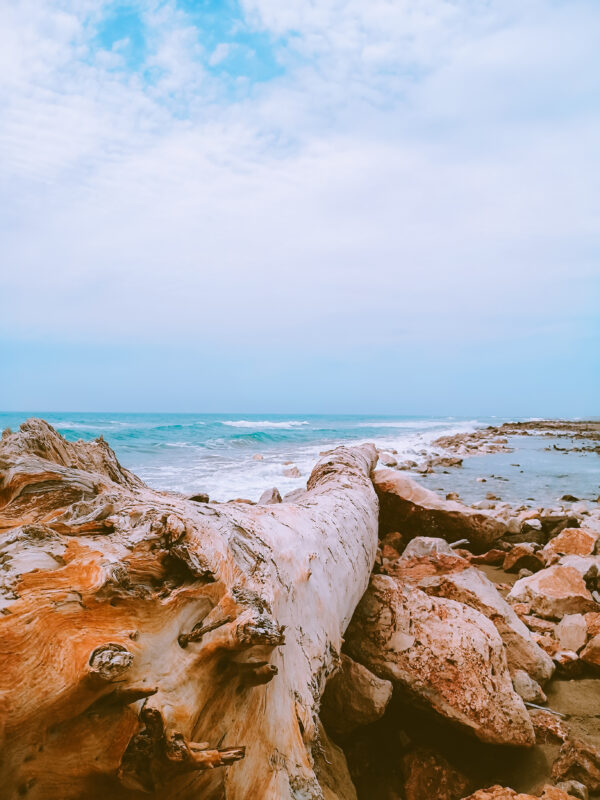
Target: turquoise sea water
215 453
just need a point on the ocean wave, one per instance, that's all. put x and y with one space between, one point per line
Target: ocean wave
418 424
264 423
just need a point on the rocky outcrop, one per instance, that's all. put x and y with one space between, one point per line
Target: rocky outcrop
441 654
554 592
415 511
452 577
156 646
354 696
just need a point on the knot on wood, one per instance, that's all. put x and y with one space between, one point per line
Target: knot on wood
261 630
109 661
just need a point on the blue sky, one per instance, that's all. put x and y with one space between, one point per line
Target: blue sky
383 207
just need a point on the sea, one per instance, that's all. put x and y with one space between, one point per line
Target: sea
230 456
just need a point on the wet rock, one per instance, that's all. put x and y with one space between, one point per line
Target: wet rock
408 507
527 688
201 497
571 632
258 457
291 472
428 774
572 541
578 761
441 653
388 460
269 497
354 696
554 592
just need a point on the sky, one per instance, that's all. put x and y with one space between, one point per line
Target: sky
325 206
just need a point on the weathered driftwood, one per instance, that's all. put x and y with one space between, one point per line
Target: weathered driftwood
147 639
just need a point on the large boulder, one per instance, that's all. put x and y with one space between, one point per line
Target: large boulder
554 592
441 654
453 578
407 507
354 696
572 542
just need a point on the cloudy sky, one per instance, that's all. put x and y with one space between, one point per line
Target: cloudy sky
383 206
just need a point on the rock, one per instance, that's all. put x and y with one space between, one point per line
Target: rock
592 620
591 652
549 729
199 498
571 632
484 505
503 793
292 472
554 592
524 573
416 511
575 789
331 769
568 664
354 696
442 576
491 496
453 496
427 774
388 460
294 496
440 653
569 498
258 457
493 557
426 546
578 761
523 556
572 541
532 524
527 688
269 497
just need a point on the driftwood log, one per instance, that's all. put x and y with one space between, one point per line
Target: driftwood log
152 645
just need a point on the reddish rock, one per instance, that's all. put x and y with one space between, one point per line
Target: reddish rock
493 557
554 592
592 619
441 576
440 653
522 556
591 652
537 624
428 774
579 761
503 793
572 541
549 729
416 511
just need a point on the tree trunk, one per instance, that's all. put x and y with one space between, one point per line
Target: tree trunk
147 638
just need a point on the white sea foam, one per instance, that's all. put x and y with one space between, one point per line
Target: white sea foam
264 423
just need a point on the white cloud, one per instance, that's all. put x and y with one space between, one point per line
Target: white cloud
423 167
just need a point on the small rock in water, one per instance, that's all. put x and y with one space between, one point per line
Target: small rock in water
258 457
491 496
291 472
453 496
269 496
569 498
481 480
388 460
201 497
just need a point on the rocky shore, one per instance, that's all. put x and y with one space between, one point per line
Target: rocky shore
364 637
